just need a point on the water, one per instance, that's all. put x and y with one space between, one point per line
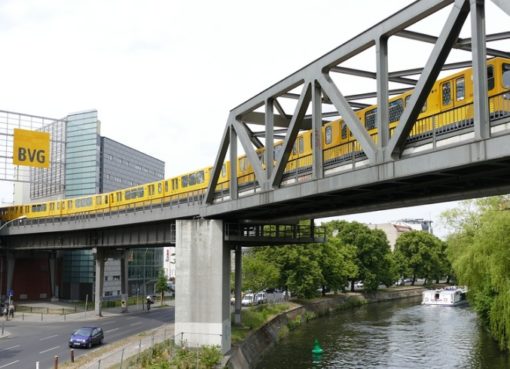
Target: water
393 335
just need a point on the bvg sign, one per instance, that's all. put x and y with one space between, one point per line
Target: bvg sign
31 148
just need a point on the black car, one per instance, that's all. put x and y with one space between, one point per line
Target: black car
86 337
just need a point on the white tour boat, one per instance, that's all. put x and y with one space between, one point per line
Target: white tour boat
448 296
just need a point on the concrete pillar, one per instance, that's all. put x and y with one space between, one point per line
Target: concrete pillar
52 262
99 280
238 280
202 304
124 279
11 259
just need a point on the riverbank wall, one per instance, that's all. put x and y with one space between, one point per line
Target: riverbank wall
247 354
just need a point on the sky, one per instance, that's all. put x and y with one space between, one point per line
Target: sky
164 75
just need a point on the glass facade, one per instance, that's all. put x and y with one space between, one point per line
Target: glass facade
82 154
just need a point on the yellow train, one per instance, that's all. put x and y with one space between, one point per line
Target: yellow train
449 108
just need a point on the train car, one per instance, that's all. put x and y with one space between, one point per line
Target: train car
447 110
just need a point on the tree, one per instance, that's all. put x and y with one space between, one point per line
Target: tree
479 251
161 284
420 254
258 273
372 252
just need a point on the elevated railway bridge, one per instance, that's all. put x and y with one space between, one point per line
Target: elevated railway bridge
402 165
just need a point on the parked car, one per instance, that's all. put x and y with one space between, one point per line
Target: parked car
248 299
86 337
260 298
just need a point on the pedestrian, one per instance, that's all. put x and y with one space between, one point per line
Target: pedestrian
11 310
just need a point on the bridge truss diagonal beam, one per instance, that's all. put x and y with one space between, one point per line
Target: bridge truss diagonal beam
442 48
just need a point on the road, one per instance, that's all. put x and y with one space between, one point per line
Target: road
31 342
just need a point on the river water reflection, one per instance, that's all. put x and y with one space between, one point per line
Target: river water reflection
392 335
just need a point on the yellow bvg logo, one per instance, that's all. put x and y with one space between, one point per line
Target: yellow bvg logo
31 148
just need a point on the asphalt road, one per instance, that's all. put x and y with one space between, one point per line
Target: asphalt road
31 342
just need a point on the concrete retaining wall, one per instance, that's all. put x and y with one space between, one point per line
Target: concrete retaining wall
247 354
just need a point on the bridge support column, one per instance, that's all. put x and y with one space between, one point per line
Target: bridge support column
238 275
99 281
202 303
52 262
124 279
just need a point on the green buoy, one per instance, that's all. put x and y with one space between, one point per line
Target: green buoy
317 349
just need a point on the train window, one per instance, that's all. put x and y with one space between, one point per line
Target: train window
460 89
423 108
395 109
490 77
99 200
80 203
69 204
446 89
242 164
301 145
58 205
38 208
151 190
370 119
200 177
192 179
118 196
506 75
184 181
160 187
276 152
223 170
329 135
52 206
344 130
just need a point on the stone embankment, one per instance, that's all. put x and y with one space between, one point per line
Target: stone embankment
247 354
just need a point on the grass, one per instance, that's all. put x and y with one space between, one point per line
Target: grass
253 318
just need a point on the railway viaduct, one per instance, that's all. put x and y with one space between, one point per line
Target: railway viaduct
470 160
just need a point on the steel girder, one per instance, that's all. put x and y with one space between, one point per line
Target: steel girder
317 88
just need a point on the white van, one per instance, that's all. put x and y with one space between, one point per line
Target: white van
248 299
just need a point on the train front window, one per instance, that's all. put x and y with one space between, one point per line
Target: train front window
506 75
200 177
490 77
223 170
446 93
460 90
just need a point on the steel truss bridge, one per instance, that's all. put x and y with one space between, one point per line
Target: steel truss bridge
393 169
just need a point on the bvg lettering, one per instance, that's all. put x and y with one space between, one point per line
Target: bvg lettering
39 155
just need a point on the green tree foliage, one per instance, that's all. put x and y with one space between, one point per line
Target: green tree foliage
258 273
372 258
421 255
161 284
479 249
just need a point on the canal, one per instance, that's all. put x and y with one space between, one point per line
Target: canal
392 335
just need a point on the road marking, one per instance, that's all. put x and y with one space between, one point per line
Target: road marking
47 338
106 323
111 330
6 365
133 324
50 349
131 317
9 348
